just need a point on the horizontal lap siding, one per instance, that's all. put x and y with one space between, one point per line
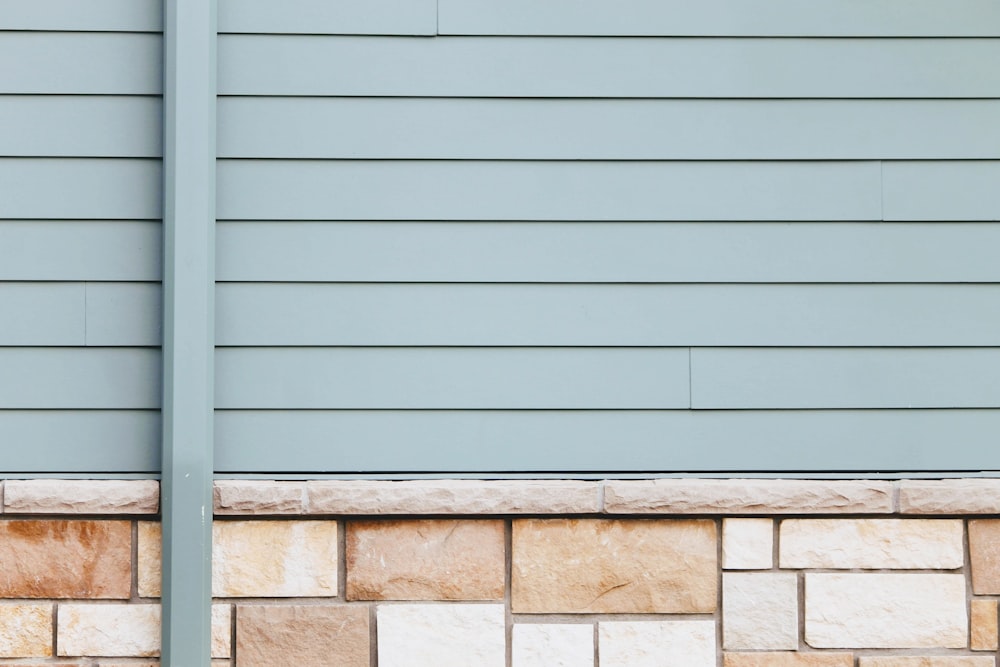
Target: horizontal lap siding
517 248
80 235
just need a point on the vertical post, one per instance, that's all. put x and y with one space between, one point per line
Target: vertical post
189 39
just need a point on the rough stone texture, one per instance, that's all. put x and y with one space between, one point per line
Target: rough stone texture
927 661
760 610
425 560
950 496
748 496
81 496
441 635
303 636
222 630
747 544
25 630
256 559
614 566
453 497
872 543
259 497
984 553
886 611
552 645
657 644
983 622
786 659
65 559
114 630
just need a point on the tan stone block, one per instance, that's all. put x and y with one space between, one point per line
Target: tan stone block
441 635
259 497
747 496
984 554
926 661
788 659
747 544
274 559
872 610
872 543
25 630
614 566
425 560
983 623
65 559
149 566
453 497
949 496
82 496
111 630
760 610
303 636
657 643
222 630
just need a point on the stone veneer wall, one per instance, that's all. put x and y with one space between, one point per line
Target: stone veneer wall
692 573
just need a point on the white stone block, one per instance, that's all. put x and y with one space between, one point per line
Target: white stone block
553 645
886 611
113 630
441 635
222 630
760 610
909 544
657 644
747 544
25 630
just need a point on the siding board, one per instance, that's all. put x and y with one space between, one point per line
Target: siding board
616 315
455 190
942 190
124 314
329 17
464 378
606 441
74 15
532 129
613 252
742 378
42 313
777 18
620 67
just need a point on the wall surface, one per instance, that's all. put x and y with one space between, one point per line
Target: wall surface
675 573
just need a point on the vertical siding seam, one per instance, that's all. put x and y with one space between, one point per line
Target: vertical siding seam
437 17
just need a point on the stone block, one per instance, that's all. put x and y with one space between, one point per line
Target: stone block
760 610
747 544
222 630
787 659
82 496
441 635
25 630
360 497
425 560
111 630
869 610
909 544
983 624
748 496
148 566
984 554
926 661
552 645
949 496
65 559
302 635
614 566
259 497
657 643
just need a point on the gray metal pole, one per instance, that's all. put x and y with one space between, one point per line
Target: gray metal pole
188 328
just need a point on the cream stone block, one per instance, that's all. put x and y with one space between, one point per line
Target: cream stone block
222 630
926 661
553 645
113 630
441 635
258 558
82 496
657 644
747 544
949 496
788 659
259 497
25 630
872 543
983 623
886 611
760 610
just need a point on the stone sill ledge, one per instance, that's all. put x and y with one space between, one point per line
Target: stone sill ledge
520 497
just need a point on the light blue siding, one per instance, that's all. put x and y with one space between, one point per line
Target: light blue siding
124 314
778 18
330 17
942 190
76 15
42 313
611 67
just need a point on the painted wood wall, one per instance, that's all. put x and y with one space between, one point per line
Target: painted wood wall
519 236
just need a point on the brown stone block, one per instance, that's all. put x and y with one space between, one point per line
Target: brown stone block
65 559
304 636
425 560
614 566
787 659
984 551
983 623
